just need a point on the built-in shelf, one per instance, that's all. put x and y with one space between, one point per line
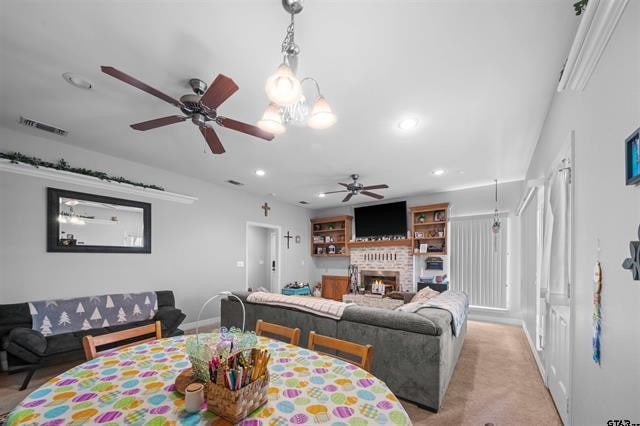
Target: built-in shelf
93 182
430 220
341 229
442 222
431 238
383 243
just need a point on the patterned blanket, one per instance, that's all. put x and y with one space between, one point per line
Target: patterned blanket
315 305
83 313
456 302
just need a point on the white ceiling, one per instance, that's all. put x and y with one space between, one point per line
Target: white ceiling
479 75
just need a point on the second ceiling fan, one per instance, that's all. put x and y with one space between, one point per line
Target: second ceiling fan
200 107
355 188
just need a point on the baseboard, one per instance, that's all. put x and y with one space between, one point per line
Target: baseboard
188 326
494 319
532 346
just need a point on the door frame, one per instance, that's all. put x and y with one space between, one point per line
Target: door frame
278 231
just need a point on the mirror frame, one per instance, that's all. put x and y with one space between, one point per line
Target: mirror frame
53 226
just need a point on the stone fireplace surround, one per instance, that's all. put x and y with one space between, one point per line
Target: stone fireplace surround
386 259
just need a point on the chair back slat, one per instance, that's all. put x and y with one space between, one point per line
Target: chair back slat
91 343
364 352
293 334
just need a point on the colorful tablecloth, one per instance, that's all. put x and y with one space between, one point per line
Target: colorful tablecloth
135 386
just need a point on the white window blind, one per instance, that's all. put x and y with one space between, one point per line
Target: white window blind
479 260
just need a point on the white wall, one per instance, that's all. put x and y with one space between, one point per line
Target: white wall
258 253
195 247
602 116
464 202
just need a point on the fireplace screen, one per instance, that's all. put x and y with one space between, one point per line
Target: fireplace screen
379 282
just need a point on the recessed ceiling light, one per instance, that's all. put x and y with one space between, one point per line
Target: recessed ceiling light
438 172
322 195
408 123
460 172
273 194
260 172
77 81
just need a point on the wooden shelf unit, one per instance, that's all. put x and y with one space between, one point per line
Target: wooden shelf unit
432 221
339 235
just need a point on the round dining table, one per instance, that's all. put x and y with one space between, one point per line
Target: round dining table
135 386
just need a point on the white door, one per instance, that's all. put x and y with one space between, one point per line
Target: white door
557 274
273 261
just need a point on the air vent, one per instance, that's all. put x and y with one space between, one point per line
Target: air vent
235 182
42 126
303 202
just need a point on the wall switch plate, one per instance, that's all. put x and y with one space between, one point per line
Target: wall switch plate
240 263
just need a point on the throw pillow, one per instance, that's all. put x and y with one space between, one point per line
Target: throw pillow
424 295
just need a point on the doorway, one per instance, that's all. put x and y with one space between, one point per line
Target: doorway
262 257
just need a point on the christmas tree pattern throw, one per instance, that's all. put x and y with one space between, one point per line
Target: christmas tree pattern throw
61 316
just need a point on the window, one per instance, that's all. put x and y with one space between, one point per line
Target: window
479 260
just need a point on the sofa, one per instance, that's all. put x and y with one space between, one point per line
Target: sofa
23 349
414 354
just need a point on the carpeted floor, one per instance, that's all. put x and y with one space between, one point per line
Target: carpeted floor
496 381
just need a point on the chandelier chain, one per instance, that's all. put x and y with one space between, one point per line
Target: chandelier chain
289 38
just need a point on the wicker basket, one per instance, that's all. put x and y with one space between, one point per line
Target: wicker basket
236 405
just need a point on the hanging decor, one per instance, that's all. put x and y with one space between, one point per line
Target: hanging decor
285 91
495 227
633 263
597 314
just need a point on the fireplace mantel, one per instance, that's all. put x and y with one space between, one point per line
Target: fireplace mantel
382 243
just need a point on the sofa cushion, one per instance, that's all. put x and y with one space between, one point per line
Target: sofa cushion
62 343
432 322
31 340
170 318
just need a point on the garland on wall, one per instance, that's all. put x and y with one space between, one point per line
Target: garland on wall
16 158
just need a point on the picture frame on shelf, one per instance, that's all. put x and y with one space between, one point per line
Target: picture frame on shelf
424 248
419 234
439 216
632 158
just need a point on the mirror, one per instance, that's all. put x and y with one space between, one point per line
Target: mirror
79 222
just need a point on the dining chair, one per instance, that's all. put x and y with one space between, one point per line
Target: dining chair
364 352
90 343
293 334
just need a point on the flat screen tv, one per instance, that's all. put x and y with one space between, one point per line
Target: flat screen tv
381 219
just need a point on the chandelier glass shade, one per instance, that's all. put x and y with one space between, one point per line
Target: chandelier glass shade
272 120
322 116
283 88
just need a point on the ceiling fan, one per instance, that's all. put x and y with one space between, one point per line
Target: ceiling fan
355 188
200 107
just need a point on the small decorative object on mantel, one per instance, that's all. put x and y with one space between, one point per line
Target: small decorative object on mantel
633 263
597 315
266 208
632 157
16 158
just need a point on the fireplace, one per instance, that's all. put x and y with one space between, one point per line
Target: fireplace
382 281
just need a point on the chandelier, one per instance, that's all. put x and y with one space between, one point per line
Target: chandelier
288 103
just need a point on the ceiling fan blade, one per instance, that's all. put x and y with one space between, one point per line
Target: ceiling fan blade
348 197
138 84
372 194
383 186
346 185
212 139
158 122
244 128
335 192
219 91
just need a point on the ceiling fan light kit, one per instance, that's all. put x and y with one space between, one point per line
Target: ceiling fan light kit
285 91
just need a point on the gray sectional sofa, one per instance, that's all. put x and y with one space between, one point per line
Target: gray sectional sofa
414 353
